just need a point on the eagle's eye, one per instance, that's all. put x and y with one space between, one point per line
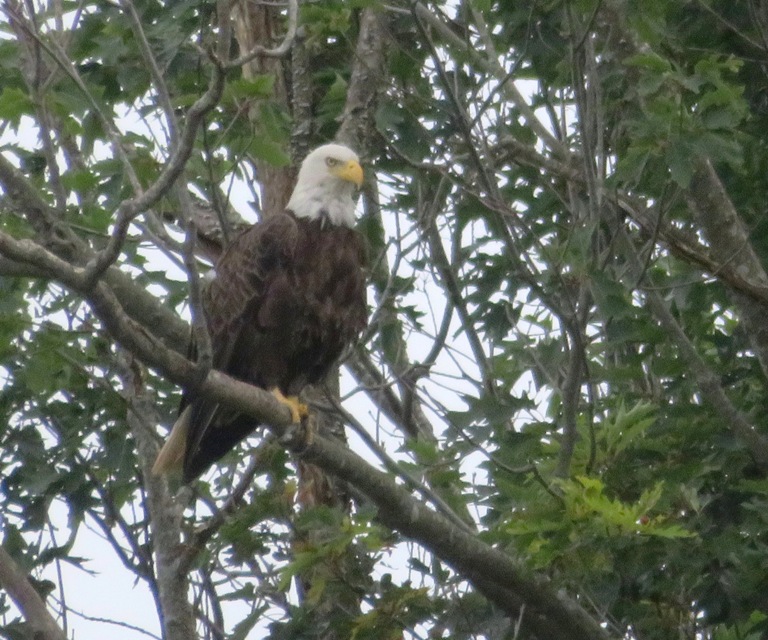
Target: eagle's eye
331 162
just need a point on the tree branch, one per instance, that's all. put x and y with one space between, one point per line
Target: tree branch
680 244
260 51
129 209
18 586
496 575
357 118
71 250
730 245
178 616
493 572
62 60
712 392
490 63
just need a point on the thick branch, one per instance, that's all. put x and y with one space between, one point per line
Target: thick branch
165 518
16 583
64 244
357 119
730 245
549 614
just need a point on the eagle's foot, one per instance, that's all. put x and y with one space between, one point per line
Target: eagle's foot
299 410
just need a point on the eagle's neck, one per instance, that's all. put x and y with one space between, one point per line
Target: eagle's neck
332 202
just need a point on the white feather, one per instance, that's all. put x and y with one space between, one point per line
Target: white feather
319 192
171 456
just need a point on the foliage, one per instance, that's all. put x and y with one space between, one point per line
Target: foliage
567 347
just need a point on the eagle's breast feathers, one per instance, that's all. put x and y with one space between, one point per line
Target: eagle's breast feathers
287 299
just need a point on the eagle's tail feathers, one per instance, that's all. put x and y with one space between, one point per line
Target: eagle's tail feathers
171 456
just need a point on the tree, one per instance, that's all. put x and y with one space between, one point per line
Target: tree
557 405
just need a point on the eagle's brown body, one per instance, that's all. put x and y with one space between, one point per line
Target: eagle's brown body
287 299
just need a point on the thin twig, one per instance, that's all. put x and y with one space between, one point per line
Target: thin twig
206 532
393 467
116 623
451 286
129 209
202 337
490 62
158 78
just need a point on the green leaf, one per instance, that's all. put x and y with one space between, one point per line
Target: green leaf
258 86
333 101
83 182
14 104
650 61
270 152
243 628
627 426
680 157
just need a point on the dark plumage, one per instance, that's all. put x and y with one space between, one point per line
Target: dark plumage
288 298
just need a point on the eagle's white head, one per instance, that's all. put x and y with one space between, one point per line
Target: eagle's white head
326 185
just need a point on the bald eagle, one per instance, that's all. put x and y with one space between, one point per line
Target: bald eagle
287 299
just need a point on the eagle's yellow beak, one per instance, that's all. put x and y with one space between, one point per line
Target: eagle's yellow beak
351 171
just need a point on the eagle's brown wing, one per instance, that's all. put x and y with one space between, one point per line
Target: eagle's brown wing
287 299
246 276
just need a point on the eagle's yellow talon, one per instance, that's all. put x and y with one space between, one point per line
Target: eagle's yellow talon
299 410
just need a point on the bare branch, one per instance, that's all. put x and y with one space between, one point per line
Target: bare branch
18 586
165 518
376 387
116 623
449 282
